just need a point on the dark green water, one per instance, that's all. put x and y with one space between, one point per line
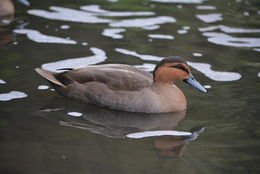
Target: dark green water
38 136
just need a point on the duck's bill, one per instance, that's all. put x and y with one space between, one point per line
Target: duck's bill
24 2
193 82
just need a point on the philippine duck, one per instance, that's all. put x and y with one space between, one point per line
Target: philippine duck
126 88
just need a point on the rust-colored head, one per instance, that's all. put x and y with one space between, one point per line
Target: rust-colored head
173 69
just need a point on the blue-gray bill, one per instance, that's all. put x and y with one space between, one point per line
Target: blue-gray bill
193 82
24 2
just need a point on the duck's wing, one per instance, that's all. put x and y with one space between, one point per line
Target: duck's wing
114 76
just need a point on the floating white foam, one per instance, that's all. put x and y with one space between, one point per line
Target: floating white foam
100 12
205 7
180 1
143 22
214 75
246 13
256 49
152 27
12 95
258 74
182 31
227 40
228 29
207 86
36 36
210 18
186 27
157 133
43 87
67 14
99 56
2 81
113 33
74 114
64 27
197 54
146 67
133 53
161 36
112 0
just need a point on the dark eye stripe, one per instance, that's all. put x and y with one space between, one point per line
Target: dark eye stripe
179 66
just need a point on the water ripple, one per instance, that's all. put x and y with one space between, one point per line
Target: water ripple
113 33
100 12
99 56
36 36
67 14
227 40
12 95
143 22
210 18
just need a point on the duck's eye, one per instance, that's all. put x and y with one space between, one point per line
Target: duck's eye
179 66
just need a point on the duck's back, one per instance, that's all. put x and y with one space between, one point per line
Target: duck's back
114 76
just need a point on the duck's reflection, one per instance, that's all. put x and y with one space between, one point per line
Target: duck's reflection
118 124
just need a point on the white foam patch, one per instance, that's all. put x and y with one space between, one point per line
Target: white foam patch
113 33
227 40
228 29
151 27
214 75
100 12
207 86
197 54
12 95
99 56
133 53
256 49
210 18
161 36
67 14
143 22
180 1
38 37
258 74
246 13
64 27
205 7
146 67
2 81
182 31
43 87
112 0
157 133
75 114
84 43
186 27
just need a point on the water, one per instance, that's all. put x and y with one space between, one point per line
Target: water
45 133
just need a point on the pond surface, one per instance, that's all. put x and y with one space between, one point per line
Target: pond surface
42 132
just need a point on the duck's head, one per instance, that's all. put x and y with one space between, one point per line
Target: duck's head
173 69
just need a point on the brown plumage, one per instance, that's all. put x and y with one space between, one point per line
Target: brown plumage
124 87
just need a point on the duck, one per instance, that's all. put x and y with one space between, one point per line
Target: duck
7 7
126 88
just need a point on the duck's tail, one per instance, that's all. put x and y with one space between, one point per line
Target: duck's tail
50 76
